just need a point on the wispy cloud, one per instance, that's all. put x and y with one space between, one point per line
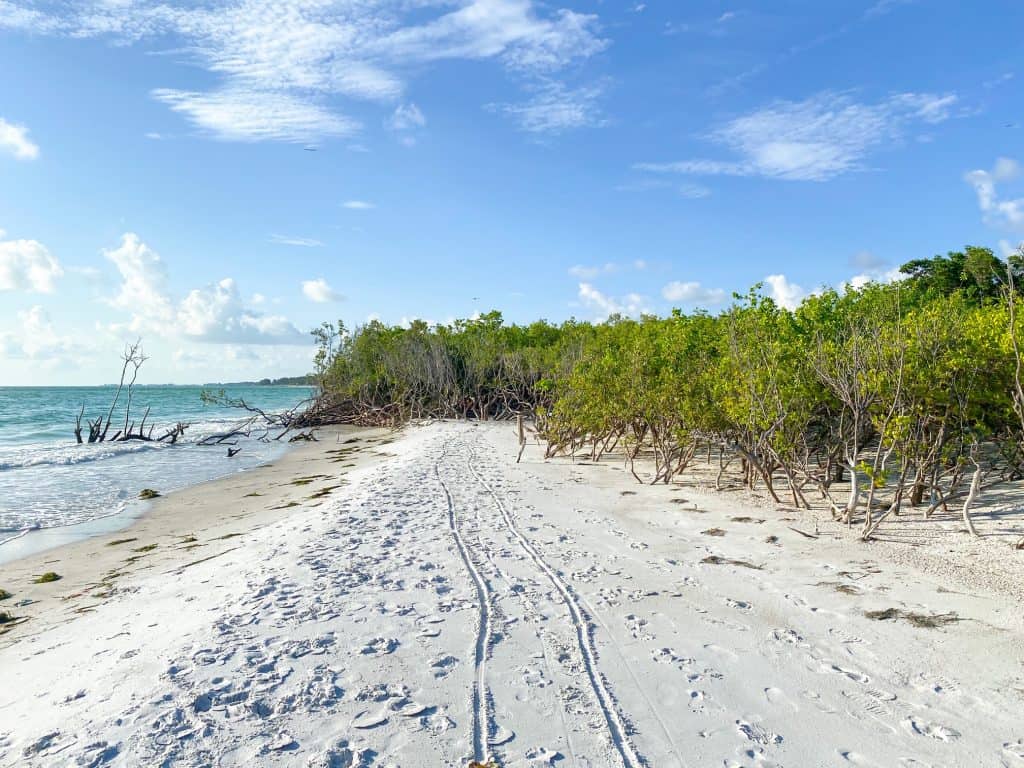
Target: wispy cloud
998 212
358 205
883 7
585 272
555 108
817 139
303 242
14 139
283 63
406 117
245 114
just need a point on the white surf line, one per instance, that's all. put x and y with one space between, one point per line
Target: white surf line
616 727
481 699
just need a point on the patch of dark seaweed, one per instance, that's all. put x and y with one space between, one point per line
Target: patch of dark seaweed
923 620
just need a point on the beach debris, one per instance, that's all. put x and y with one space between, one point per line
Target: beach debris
148 493
716 560
714 532
924 620
1019 544
745 519
805 535
233 452
4 594
6 618
116 542
47 578
489 764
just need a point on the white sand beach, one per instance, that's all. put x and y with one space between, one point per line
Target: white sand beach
441 603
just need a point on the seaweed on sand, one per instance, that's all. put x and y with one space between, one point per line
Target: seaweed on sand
4 594
923 620
325 491
47 578
115 542
149 493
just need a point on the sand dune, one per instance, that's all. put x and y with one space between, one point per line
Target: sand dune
448 604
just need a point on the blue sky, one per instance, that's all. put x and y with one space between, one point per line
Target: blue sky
548 159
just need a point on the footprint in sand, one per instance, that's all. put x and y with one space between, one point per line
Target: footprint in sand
756 733
857 759
739 605
444 666
934 730
380 646
502 735
637 627
857 677
777 697
543 756
1013 750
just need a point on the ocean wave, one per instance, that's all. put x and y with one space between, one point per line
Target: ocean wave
23 532
65 453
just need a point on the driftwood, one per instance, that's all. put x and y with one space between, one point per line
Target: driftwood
132 360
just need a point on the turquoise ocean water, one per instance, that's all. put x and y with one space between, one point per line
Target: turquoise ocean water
47 481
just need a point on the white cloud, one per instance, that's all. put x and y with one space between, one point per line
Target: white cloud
215 313
554 109
406 117
692 293
143 290
817 139
319 291
27 265
303 242
280 65
694 191
603 305
998 212
358 205
14 138
244 114
783 292
892 275
1008 249
36 339
258 299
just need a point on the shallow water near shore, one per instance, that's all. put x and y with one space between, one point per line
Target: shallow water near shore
53 490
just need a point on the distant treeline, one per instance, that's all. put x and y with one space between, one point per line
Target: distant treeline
909 392
309 380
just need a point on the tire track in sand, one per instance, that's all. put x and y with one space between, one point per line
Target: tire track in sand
613 720
481 698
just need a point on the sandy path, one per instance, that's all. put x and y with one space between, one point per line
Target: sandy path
448 604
